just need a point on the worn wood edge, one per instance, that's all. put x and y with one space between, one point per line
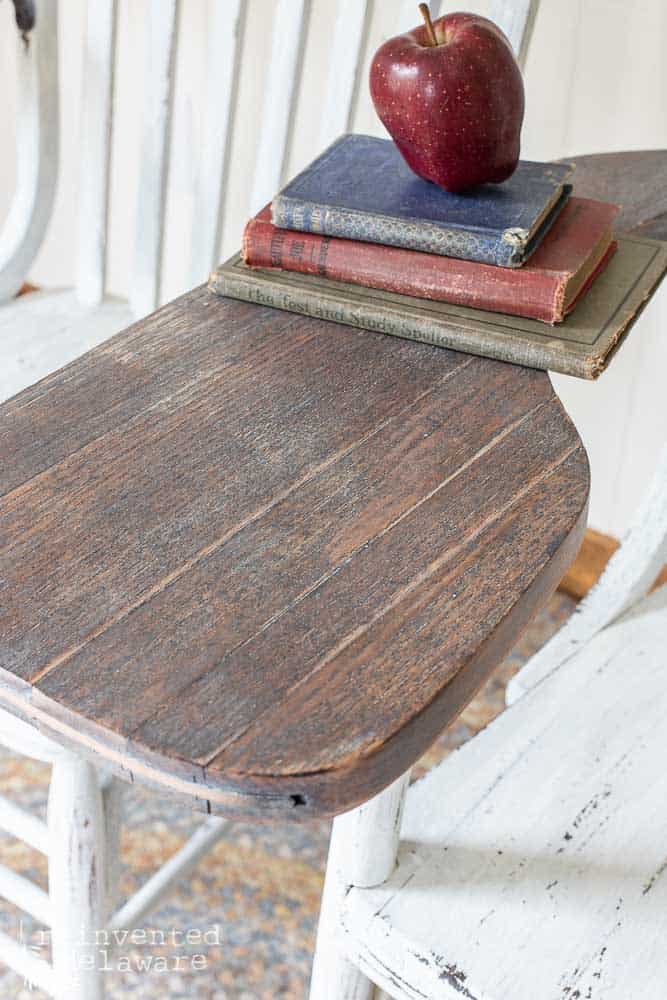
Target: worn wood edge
388 762
595 552
182 781
301 796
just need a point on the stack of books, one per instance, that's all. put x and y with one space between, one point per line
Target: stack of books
524 271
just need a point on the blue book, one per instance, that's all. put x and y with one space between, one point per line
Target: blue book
360 188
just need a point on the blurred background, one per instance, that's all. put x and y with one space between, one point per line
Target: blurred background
596 80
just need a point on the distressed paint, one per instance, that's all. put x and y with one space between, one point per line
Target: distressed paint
529 864
362 852
76 877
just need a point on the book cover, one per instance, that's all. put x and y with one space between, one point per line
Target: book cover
571 255
360 188
582 345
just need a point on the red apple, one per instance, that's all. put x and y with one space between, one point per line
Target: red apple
450 94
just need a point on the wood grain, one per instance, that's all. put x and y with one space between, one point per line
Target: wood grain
261 560
634 180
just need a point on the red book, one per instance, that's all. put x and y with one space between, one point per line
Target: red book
547 287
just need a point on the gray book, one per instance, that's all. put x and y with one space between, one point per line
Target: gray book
582 345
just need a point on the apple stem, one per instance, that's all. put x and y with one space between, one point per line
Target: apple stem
426 14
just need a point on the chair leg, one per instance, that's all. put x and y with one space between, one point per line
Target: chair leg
77 875
362 852
112 802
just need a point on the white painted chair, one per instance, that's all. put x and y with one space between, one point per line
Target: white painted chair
43 331
531 862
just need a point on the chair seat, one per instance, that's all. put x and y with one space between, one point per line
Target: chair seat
534 859
261 561
43 331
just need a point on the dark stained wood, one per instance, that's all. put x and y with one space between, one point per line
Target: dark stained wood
261 561
637 181
305 541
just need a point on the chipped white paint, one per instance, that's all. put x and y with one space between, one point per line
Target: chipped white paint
96 125
224 48
347 49
37 151
279 99
533 861
362 852
154 171
76 877
627 577
516 18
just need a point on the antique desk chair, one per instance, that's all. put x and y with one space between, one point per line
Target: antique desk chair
250 560
531 863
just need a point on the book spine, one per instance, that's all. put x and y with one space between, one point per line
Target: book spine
387 319
427 237
407 272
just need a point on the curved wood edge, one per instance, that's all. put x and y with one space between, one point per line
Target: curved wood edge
305 796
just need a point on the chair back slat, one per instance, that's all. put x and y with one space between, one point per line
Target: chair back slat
224 47
37 125
279 99
154 170
95 144
516 18
37 139
346 51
